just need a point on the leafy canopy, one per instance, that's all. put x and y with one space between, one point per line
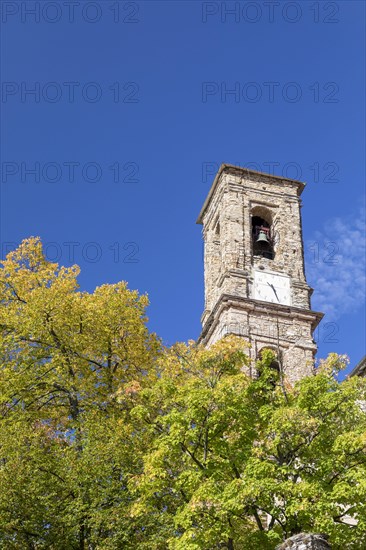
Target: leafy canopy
108 440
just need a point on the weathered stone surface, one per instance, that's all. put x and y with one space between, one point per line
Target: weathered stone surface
305 541
236 195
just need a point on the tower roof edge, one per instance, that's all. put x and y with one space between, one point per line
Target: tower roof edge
243 171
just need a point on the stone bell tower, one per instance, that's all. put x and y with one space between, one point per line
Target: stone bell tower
255 284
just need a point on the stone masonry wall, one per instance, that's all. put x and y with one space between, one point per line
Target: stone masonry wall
261 329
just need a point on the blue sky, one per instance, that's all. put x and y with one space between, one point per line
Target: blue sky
135 104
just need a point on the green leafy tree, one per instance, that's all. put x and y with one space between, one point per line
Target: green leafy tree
245 463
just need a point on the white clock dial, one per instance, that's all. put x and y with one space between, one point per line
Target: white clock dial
271 287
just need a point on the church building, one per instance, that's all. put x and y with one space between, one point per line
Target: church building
255 284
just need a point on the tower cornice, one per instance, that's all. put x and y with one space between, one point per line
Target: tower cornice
250 174
264 308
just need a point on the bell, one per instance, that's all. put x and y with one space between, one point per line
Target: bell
262 237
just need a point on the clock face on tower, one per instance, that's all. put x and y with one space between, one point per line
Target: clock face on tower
272 287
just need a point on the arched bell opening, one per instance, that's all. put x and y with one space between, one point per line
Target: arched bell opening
262 234
274 366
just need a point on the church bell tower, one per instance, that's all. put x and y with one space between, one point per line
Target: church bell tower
255 284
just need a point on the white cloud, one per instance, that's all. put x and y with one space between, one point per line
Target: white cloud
335 266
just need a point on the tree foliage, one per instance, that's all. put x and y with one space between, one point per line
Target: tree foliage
66 446
245 463
108 440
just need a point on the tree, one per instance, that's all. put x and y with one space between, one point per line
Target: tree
245 463
108 440
66 446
